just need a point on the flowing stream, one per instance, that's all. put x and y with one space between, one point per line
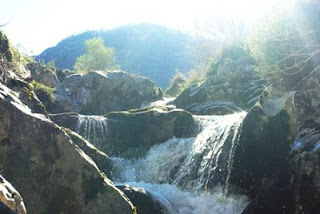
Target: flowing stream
190 175
186 175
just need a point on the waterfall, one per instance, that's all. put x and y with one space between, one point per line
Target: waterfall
209 160
93 128
201 166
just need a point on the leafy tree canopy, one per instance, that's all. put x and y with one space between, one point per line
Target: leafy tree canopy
97 57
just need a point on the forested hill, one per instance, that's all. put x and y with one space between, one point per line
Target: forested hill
150 50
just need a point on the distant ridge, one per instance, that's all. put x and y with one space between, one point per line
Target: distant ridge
150 50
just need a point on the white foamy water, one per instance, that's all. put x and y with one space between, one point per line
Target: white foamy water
211 154
156 166
177 201
92 127
190 175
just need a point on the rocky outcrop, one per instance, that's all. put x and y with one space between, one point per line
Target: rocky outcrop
101 159
264 144
51 172
305 164
10 200
276 161
144 202
102 92
10 65
260 164
130 133
5 47
234 86
43 74
26 94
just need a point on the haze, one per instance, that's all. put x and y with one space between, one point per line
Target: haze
35 25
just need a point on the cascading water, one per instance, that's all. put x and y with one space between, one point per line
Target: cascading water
91 127
209 160
201 166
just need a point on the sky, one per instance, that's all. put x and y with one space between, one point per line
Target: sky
35 25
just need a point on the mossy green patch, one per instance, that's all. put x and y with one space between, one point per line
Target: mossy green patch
44 93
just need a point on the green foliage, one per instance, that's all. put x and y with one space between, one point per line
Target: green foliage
28 93
232 51
5 48
42 62
263 46
51 63
10 58
196 76
288 45
97 57
27 59
178 83
44 92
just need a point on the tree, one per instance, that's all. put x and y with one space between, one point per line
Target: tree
97 57
288 47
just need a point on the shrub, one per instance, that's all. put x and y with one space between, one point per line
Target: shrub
178 83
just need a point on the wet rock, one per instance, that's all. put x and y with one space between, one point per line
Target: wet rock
102 92
131 133
144 202
277 158
296 189
11 201
305 160
52 173
68 119
261 152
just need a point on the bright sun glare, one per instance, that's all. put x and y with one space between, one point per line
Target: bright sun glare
100 14
247 10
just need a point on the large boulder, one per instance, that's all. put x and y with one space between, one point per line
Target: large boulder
233 86
144 201
263 144
130 133
43 74
10 200
51 172
102 92
276 160
260 164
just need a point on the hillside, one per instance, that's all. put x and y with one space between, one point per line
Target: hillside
149 50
